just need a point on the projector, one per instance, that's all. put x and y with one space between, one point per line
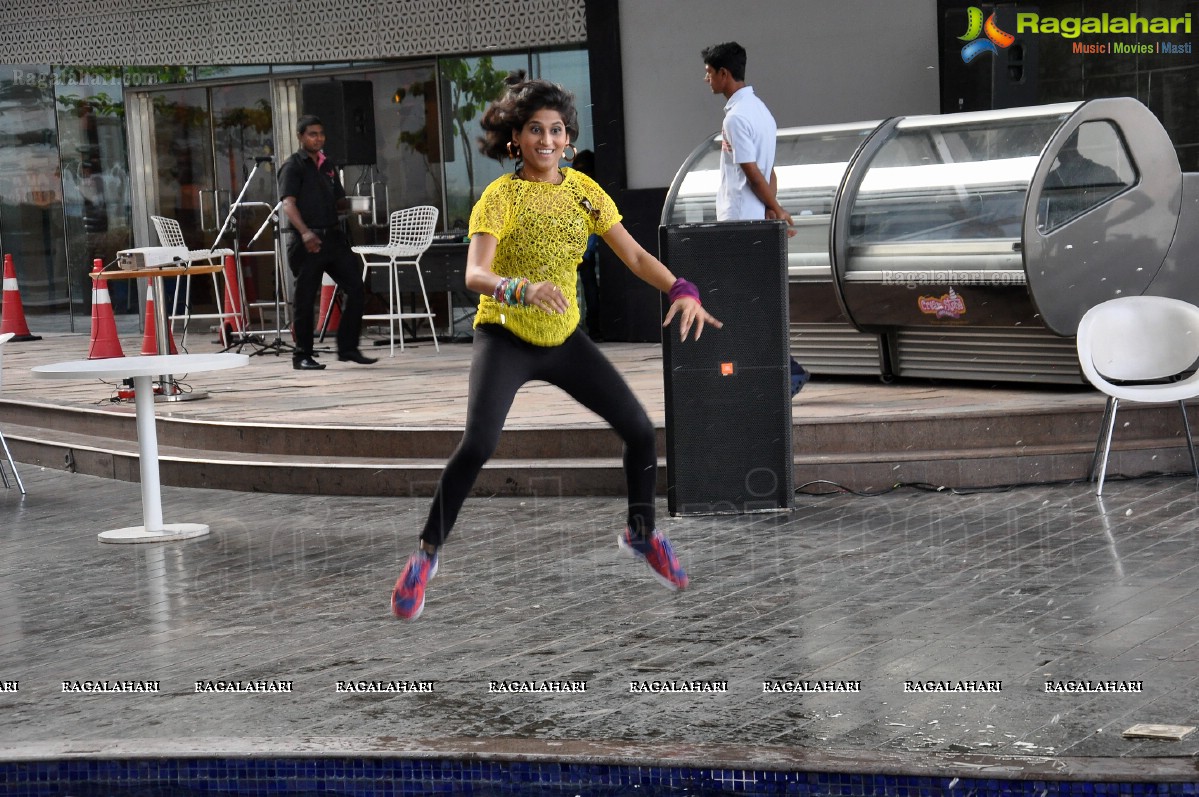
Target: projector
149 257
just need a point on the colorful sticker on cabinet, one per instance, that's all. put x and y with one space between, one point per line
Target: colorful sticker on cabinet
948 305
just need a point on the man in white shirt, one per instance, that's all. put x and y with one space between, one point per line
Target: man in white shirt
747 180
748 185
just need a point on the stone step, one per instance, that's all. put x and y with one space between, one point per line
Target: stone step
873 455
874 434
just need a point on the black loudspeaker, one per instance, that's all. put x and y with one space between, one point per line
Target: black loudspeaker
728 395
1006 77
347 111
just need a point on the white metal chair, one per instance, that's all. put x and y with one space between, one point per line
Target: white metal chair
7 463
411 232
170 234
1136 348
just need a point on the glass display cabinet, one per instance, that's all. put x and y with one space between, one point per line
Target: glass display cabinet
969 245
810 163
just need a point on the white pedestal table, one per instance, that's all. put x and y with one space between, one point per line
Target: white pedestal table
143 370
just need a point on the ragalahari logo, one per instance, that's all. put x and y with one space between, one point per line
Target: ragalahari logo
996 39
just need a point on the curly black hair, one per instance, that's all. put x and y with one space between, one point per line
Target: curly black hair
523 99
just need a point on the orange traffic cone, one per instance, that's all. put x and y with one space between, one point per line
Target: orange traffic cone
104 341
232 322
329 308
12 313
150 339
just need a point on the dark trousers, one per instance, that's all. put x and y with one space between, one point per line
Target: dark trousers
336 260
500 364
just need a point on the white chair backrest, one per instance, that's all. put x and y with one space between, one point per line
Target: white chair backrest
412 228
1136 338
5 338
169 231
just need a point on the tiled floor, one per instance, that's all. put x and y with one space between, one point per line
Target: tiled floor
1023 587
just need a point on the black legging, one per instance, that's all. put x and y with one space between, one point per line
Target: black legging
500 364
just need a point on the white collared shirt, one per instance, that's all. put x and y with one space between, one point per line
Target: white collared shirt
748 134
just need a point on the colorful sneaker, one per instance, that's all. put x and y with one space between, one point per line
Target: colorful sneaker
657 553
408 597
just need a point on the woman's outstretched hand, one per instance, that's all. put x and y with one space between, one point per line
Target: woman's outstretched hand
690 313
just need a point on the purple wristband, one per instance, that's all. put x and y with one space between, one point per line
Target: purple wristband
683 288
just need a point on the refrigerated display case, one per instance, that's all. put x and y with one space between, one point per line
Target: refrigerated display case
969 245
810 164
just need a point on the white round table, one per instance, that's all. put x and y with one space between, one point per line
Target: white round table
143 370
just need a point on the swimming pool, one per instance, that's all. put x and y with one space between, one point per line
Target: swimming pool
302 776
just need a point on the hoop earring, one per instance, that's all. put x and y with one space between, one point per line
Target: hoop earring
574 153
511 154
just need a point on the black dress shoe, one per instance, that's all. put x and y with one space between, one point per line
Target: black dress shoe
306 363
356 357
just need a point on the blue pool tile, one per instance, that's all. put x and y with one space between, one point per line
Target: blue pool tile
300 777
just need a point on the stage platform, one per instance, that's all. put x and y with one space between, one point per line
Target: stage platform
387 429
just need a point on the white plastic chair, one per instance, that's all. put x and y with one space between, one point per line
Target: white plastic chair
411 232
1130 348
7 336
170 234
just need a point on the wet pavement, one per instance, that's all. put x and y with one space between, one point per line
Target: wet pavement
1036 622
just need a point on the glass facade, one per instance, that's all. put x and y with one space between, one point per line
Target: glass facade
469 84
408 146
67 192
31 188
95 179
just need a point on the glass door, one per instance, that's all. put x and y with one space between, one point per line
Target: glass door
244 172
181 135
203 143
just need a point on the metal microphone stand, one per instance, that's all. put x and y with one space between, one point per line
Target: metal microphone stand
244 337
278 345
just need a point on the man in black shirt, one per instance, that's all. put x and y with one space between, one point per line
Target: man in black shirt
312 198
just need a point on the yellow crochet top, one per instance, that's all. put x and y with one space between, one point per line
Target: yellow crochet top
541 231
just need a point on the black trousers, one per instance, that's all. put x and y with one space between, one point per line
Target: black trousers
336 260
500 364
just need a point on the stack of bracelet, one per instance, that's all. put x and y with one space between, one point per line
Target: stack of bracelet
511 290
